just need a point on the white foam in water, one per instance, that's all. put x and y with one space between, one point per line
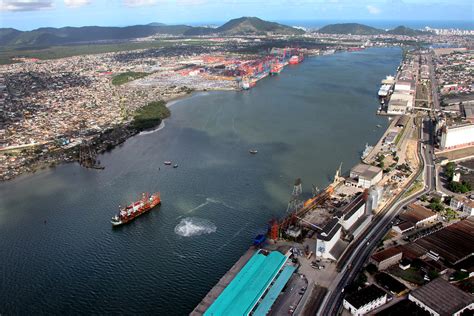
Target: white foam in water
159 128
194 226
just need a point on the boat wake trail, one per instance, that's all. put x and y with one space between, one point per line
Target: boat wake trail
232 238
159 128
208 201
194 226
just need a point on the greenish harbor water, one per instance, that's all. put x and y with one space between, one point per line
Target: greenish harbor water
60 255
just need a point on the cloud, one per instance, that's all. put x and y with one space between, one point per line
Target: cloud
146 3
372 9
24 5
139 3
76 3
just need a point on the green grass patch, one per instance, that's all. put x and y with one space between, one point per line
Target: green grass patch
399 136
127 77
150 115
411 275
415 187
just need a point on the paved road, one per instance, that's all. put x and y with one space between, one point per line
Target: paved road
380 227
434 84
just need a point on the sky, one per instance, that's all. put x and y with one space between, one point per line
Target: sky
31 14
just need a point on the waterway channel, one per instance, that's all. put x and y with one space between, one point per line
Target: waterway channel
60 255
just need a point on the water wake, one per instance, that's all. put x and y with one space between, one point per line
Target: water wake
208 201
159 128
198 207
237 233
194 226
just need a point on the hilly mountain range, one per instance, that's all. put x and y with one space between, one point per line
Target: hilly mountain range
44 37
349 28
72 35
246 26
69 35
361 29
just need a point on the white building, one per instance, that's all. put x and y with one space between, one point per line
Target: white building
468 207
326 240
352 212
407 86
366 175
349 217
365 300
457 136
455 203
397 107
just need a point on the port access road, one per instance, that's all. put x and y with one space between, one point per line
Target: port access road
368 241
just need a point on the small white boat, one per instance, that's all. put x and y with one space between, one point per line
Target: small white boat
167 163
253 151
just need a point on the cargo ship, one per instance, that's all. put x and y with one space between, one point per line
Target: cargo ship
296 59
145 204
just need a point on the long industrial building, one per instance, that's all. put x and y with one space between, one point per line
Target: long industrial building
254 288
457 136
348 218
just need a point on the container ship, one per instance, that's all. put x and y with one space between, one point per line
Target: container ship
145 204
296 59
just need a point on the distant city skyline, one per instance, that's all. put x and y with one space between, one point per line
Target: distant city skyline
31 14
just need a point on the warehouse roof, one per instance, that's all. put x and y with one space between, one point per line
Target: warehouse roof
454 243
442 297
365 296
366 171
417 213
386 254
329 229
272 295
353 206
403 120
241 295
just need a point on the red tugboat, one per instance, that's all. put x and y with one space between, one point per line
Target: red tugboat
145 204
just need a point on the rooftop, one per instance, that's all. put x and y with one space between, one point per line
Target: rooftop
453 243
241 295
416 213
330 229
365 296
442 297
366 171
403 120
353 206
386 254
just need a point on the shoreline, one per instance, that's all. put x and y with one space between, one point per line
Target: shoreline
102 143
105 141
